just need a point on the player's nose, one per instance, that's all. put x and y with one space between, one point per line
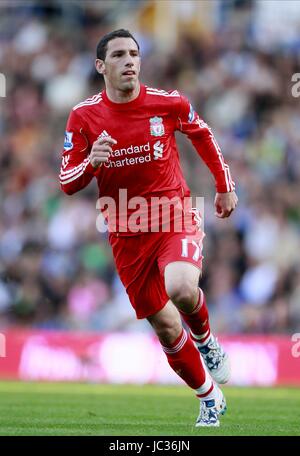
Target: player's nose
129 64
129 61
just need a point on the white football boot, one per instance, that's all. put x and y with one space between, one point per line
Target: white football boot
211 409
216 360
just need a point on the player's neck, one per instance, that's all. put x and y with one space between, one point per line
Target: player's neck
119 96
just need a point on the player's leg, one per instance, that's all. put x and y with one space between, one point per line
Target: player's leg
181 283
185 360
136 261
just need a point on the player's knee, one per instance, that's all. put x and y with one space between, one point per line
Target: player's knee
181 294
169 332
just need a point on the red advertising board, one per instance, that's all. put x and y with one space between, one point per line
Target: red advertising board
137 358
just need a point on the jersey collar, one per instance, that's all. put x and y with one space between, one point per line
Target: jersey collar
125 106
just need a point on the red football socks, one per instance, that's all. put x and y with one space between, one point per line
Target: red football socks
198 320
185 360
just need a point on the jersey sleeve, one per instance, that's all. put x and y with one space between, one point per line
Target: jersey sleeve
76 171
201 136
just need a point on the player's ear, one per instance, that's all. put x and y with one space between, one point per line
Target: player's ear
100 66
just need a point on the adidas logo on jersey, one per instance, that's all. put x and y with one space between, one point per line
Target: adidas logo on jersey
104 134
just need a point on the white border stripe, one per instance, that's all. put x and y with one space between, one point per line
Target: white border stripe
80 105
170 95
72 179
232 183
163 92
88 100
74 172
88 103
69 171
153 89
178 347
225 167
91 98
63 182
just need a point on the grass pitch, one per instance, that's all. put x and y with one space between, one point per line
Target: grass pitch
113 410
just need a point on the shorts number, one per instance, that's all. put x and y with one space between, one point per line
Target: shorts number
184 251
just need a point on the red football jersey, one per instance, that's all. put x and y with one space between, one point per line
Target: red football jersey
145 160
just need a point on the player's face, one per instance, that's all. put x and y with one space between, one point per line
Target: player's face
121 66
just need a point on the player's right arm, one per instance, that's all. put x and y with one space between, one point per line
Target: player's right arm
81 161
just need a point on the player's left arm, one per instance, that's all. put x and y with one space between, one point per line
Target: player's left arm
201 135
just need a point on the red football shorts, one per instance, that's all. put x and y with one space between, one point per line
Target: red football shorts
141 261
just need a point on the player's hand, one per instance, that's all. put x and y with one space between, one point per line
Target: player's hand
101 151
225 203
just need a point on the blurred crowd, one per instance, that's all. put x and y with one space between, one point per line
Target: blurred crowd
56 269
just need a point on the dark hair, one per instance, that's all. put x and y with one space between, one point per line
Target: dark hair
102 45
